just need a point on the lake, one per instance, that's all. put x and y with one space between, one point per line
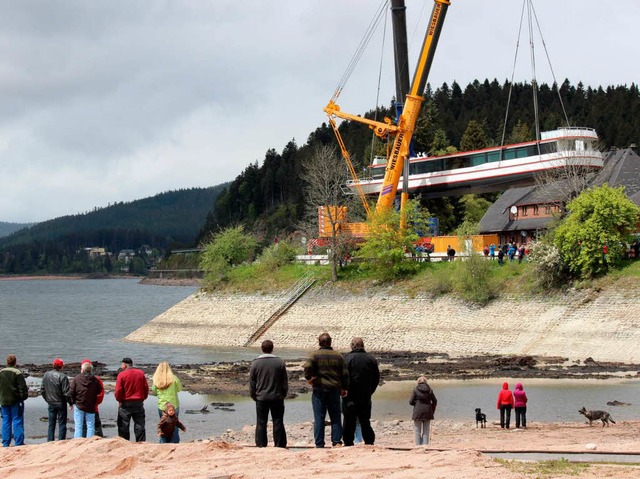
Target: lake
76 319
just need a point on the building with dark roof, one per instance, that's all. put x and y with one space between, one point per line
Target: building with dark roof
521 214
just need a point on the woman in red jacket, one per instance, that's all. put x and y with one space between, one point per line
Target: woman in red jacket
505 404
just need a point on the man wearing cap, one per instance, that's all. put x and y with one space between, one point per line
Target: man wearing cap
13 393
55 391
132 389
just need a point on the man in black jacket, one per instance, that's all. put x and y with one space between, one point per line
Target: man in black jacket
55 391
268 387
364 376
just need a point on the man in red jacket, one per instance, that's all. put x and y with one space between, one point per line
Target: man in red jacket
131 391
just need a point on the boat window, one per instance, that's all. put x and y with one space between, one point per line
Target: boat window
509 154
457 162
493 156
524 152
377 173
551 147
425 167
478 159
579 145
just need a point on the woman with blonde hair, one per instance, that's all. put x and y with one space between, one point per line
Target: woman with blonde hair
166 386
424 404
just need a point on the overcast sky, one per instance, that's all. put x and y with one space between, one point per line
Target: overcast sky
114 100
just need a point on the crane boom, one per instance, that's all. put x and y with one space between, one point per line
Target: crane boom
403 131
411 110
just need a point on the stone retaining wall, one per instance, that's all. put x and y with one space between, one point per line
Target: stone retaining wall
604 326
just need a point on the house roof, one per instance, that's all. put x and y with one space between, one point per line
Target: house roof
621 168
497 216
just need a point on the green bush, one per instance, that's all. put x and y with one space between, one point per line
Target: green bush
228 248
599 216
277 255
441 281
473 280
384 251
548 269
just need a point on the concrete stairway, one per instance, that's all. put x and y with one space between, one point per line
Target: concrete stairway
290 296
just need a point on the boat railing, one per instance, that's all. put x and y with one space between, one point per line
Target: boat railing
572 131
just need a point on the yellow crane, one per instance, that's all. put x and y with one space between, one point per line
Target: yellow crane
403 131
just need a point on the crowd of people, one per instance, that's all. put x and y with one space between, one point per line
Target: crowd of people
511 251
342 387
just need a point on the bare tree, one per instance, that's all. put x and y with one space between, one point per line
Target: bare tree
325 174
564 184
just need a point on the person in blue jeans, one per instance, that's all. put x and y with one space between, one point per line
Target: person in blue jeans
13 393
85 390
55 391
325 370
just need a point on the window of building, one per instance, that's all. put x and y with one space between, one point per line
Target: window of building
547 209
524 211
535 210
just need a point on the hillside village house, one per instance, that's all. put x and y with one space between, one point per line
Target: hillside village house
95 252
520 215
126 255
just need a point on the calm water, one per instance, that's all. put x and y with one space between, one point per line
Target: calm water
41 320
77 319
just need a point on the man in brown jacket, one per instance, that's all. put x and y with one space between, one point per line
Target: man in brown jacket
326 371
85 390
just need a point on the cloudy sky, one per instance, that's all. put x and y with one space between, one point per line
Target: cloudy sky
115 100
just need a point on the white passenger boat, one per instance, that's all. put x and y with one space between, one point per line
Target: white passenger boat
495 168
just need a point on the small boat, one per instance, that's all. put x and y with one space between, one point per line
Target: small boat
494 168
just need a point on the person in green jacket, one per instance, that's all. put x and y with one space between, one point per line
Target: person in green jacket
13 393
166 386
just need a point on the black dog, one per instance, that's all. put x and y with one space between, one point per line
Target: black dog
481 418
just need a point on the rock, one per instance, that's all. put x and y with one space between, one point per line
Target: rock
591 446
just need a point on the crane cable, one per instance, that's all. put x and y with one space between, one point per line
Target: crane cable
553 75
531 14
373 25
375 117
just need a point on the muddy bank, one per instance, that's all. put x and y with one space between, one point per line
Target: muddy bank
233 377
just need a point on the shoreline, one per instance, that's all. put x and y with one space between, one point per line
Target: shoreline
397 367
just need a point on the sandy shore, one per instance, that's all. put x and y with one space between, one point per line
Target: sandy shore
40 278
457 450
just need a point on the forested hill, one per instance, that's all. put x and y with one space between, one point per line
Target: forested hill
168 220
269 197
7 228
